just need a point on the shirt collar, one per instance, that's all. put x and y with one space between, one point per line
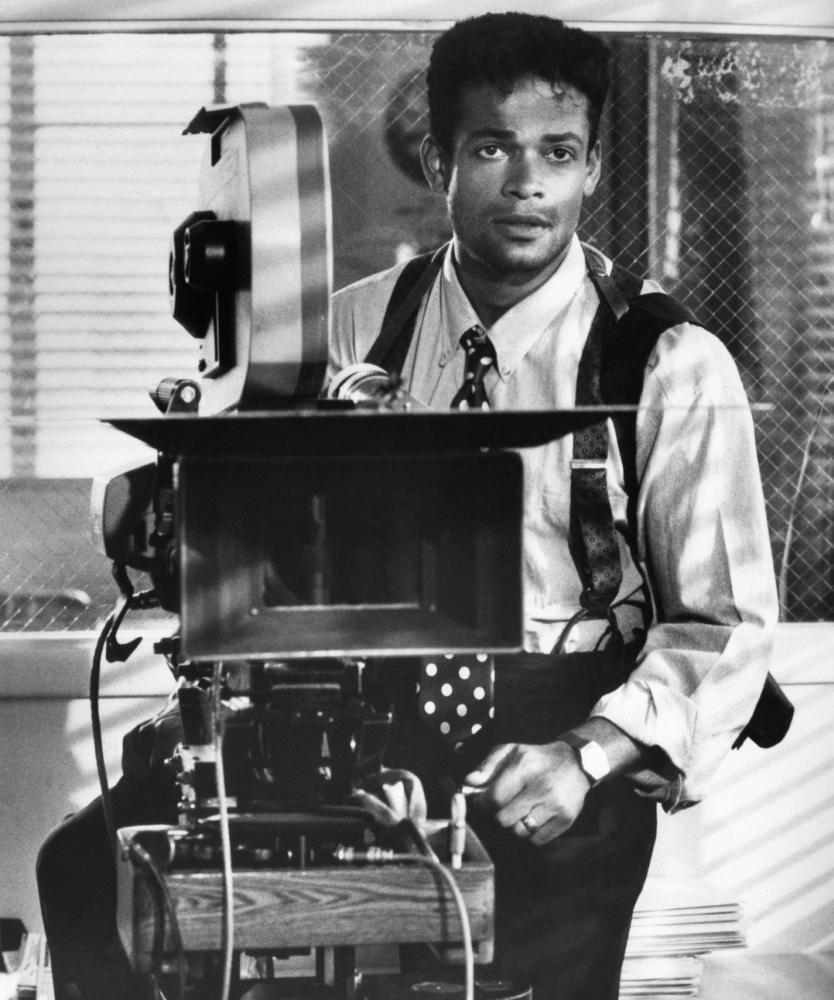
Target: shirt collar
520 327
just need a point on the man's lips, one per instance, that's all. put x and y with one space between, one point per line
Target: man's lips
524 224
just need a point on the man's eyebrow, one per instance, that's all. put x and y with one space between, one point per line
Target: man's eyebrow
508 134
494 133
564 137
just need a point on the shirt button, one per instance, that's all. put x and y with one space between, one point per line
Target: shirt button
505 371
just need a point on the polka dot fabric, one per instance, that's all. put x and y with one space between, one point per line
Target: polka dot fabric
480 357
454 693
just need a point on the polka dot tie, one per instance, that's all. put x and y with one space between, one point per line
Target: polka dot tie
455 694
455 691
480 357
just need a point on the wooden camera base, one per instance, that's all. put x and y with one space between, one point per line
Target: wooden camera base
274 909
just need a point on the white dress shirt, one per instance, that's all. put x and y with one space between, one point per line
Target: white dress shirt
702 539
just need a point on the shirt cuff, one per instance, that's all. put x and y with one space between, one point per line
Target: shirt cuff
655 716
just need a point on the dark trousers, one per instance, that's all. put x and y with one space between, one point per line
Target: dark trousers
562 911
77 886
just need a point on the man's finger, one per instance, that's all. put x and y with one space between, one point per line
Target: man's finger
550 830
521 808
486 771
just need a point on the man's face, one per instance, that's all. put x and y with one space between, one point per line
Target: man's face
516 177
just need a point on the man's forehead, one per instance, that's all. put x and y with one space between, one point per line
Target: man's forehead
530 95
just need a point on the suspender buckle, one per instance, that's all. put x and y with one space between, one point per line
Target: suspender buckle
596 605
589 464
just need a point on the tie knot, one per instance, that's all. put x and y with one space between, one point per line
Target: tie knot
474 339
480 357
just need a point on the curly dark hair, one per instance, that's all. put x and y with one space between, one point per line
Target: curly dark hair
499 50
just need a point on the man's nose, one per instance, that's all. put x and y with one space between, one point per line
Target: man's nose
524 178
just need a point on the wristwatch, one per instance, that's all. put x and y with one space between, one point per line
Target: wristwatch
589 755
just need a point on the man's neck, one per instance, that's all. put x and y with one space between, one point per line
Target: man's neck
491 291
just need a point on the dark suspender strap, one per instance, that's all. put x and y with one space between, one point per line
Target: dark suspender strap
594 545
623 334
607 288
625 354
395 336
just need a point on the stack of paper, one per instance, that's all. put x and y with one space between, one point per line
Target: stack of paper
34 974
676 920
680 916
660 978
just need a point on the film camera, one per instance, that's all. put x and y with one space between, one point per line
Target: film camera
297 536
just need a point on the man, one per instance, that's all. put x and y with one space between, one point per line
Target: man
586 740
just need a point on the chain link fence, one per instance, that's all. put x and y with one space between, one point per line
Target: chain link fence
719 182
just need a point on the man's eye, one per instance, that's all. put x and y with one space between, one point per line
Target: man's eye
560 154
489 151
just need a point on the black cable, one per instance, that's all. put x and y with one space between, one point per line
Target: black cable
141 857
228 922
165 909
106 640
98 746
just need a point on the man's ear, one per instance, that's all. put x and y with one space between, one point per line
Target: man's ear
594 168
435 166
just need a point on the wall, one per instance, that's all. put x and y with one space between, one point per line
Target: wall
47 765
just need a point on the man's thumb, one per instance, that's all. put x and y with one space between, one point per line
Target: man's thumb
486 770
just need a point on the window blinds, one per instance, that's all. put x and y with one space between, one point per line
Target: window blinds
97 175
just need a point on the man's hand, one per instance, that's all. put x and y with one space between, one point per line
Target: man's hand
535 790
539 790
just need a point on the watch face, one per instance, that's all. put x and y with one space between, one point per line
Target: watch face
594 761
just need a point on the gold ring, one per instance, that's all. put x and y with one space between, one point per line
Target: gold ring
529 824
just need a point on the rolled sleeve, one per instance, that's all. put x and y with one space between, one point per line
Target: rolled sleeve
703 542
